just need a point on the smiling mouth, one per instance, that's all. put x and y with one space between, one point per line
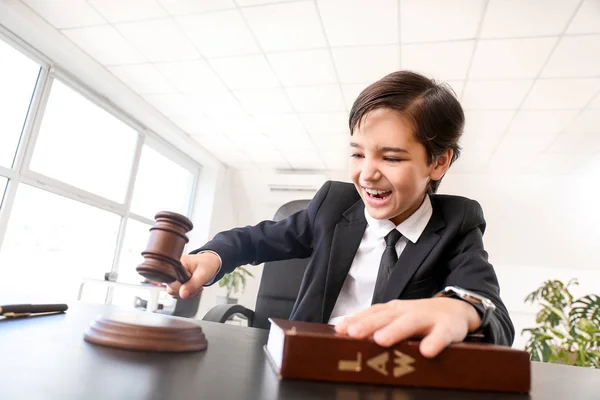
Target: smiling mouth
377 194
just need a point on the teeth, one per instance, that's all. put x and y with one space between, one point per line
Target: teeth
375 192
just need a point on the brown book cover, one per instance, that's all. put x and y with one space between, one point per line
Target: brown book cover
305 350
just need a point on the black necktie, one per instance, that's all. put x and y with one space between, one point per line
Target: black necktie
388 259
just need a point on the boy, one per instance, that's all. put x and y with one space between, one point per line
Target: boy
390 258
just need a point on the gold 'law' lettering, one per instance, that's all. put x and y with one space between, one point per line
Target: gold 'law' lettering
379 363
402 362
351 365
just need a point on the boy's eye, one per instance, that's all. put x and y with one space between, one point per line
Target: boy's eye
355 155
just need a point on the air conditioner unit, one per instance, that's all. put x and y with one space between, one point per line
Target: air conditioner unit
296 181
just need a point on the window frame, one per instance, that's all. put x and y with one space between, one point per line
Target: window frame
21 173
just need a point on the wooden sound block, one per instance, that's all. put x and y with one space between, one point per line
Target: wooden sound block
146 332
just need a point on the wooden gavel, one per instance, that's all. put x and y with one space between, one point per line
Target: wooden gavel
165 248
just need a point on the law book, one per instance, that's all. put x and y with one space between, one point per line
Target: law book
312 351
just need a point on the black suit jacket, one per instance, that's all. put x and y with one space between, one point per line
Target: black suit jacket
449 252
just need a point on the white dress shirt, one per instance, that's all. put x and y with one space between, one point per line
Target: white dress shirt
357 291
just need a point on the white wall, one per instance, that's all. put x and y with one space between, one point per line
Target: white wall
538 228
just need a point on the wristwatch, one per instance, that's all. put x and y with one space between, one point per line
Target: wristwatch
483 305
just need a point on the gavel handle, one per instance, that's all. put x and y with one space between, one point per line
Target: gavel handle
183 274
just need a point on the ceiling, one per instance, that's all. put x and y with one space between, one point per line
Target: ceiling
270 85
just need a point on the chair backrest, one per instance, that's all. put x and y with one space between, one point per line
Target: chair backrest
280 282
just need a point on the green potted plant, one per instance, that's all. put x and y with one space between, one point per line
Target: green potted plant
567 330
234 282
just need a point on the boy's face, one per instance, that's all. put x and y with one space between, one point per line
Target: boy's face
388 165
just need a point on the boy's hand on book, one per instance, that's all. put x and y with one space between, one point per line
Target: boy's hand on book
439 321
202 267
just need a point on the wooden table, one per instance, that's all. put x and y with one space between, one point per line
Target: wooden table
45 357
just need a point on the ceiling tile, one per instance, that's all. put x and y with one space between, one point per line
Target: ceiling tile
494 95
586 122
261 150
351 92
214 141
224 149
246 72
301 68
218 105
561 93
245 3
483 131
142 78
104 44
487 123
575 56
540 122
191 76
252 143
522 18
510 58
587 19
518 152
479 142
269 156
280 124
317 123
351 22
596 103
80 13
238 126
438 60
159 40
439 20
128 10
471 161
181 7
235 159
293 142
575 143
170 104
352 68
304 159
324 98
293 26
267 101
219 34
556 164
332 142
198 124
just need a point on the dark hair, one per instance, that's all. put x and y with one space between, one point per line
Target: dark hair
430 107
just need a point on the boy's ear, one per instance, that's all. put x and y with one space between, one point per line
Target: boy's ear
441 165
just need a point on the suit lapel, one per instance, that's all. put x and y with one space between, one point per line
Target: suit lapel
412 257
347 236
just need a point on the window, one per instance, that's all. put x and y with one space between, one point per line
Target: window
135 241
161 185
18 76
3 182
51 243
56 234
82 145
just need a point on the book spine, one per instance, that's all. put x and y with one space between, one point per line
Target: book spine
362 361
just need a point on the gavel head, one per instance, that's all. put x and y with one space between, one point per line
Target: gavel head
165 248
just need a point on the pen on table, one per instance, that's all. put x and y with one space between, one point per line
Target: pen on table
23 310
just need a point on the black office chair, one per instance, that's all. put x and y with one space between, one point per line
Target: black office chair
279 285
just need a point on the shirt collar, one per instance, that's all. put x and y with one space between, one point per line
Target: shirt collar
411 228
